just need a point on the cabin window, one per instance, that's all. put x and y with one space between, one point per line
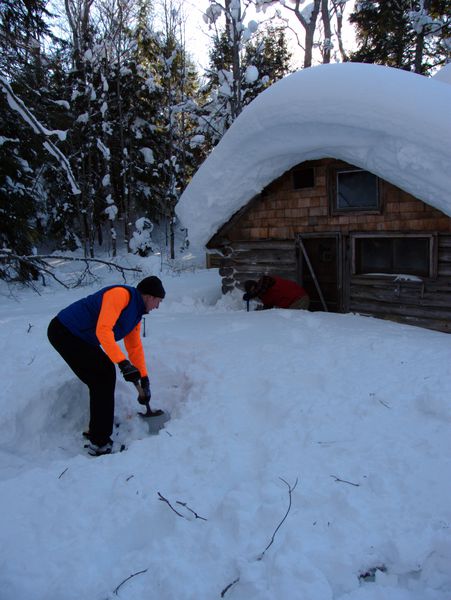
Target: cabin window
355 190
304 178
393 255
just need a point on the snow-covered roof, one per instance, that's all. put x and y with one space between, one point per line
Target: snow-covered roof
393 123
444 74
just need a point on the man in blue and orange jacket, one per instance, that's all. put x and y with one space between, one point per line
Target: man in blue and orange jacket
86 334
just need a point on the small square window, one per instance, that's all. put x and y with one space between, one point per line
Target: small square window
356 190
303 178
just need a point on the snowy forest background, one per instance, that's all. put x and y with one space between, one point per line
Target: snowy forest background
105 116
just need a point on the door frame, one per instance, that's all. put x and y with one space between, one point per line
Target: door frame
339 239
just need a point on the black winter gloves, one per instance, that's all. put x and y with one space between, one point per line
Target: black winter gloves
145 384
129 372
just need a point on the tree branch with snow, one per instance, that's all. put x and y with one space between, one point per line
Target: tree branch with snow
19 106
10 267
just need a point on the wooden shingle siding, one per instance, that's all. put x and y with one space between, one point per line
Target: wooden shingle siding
280 211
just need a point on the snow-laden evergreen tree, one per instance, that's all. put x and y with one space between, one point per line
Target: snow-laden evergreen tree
406 34
268 52
18 231
166 121
27 145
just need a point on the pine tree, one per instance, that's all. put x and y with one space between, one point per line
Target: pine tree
401 33
178 83
18 232
270 55
23 26
23 29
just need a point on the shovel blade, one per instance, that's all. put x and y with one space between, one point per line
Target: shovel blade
155 419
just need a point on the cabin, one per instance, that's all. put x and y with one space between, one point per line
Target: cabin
355 242
354 208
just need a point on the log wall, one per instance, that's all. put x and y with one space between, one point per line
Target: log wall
425 303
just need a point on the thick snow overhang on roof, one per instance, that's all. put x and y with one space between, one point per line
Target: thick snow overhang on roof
393 123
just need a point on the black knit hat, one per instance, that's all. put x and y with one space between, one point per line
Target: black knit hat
151 286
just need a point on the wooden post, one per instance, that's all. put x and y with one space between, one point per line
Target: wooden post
309 264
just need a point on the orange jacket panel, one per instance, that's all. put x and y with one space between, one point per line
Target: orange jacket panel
113 303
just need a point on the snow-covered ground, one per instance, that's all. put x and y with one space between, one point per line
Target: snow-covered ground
346 417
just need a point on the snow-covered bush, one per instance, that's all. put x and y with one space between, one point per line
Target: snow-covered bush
141 240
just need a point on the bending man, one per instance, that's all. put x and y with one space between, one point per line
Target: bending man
86 334
276 292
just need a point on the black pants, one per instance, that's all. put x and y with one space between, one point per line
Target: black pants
96 370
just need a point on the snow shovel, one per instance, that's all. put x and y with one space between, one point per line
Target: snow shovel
154 418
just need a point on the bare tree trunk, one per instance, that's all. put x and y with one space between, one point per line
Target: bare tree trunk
419 44
123 152
234 37
338 7
77 12
107 187
419 49
78 16
310 28
327 45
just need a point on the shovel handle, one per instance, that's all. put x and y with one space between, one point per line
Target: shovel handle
149 412
141 393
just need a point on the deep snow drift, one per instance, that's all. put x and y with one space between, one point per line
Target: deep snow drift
354 409
391 122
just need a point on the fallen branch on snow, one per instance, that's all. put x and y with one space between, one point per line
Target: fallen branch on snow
344 481
166 501
260 556
128 578
185 505
61 474
42 263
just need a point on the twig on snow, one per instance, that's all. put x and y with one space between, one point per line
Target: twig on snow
185 505
344 481
260 557
227 588
128 578
163 499
61 474
290 491
384 403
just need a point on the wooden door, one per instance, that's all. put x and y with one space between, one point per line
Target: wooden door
325 255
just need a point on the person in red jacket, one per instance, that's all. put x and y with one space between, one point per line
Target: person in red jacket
276 292
86 333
